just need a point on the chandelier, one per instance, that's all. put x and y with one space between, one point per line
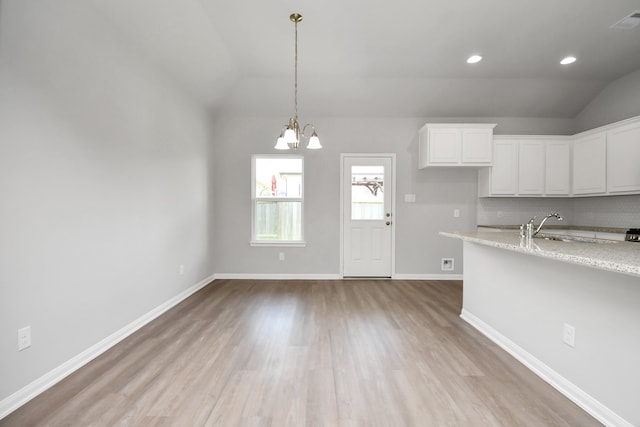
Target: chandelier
291 133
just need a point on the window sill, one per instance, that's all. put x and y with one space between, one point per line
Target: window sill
279 243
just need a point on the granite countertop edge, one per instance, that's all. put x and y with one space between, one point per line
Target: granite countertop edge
619 257
561 227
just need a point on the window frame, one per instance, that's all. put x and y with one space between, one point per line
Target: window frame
255 199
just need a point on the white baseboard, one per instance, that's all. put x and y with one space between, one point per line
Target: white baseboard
244 276
557 381
25 394
428 277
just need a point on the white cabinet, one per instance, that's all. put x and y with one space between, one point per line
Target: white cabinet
443 146
501 178
477 144
447 144
558 168
531 167
623 159
504 172
590 164
598 162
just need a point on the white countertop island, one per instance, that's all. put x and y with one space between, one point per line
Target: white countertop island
523 296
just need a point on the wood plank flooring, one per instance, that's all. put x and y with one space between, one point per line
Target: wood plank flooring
306 353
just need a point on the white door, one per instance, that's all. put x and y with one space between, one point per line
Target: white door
367 215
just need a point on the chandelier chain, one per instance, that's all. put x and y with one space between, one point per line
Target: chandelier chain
292 133
296 71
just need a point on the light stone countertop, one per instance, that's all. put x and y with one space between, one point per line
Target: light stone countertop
559 226
617 256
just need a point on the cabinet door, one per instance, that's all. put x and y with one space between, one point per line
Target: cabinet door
531 159
444 146
504 168
623 159
589 164
558 168
477 146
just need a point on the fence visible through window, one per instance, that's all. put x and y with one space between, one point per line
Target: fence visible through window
278 198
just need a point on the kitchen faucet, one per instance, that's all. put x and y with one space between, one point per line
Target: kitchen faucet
529 226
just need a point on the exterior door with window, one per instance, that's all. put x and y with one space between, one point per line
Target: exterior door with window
367 216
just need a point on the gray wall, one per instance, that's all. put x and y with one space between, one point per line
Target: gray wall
618 101
104 183
418 246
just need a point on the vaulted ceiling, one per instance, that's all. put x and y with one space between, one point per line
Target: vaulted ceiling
385 58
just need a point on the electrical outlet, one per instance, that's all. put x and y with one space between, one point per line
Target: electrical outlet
181 269
569 335
447 264
281 256
24 338
456 213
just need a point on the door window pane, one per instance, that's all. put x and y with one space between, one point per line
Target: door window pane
367 198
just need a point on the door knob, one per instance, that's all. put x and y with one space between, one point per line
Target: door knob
388 223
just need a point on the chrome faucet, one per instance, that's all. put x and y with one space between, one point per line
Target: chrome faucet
530 225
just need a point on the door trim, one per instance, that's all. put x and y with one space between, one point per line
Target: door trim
393 205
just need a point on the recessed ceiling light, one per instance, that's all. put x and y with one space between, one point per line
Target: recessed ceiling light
568 60
474 58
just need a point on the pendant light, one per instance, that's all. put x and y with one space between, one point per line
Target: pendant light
291 133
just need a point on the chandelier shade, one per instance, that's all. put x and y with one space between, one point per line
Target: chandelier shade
292 134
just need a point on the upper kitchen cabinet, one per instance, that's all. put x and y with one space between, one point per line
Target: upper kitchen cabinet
623 156
557 168
531 167
527 166
598 162
590 164
500 179
449 144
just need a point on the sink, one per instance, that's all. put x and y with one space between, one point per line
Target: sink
573 239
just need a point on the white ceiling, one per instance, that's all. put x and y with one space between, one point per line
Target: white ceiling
386 58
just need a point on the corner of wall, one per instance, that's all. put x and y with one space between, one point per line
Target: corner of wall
617 101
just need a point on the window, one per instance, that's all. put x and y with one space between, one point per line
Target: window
367 187
277 200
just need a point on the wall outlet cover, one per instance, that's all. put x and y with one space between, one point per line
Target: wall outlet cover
447 264
569 335
24 338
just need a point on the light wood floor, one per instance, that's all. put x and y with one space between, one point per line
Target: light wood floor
313 353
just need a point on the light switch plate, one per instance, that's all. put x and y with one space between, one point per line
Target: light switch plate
24 338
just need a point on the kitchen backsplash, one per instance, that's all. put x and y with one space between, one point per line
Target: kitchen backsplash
610 211
513 211
615 211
